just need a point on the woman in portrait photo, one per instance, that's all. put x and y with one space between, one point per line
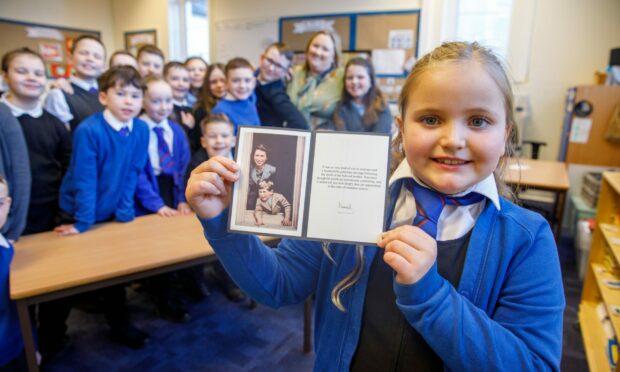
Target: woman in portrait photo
260 170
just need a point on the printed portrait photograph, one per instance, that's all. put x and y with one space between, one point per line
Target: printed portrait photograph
270 194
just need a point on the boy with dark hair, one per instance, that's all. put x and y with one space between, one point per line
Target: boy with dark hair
272 102
110 150
74 102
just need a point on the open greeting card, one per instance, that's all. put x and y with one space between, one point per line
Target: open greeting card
323 185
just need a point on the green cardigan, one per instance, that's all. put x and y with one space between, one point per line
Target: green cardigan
316 96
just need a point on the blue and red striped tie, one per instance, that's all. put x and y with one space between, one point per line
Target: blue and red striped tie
166 162
429 204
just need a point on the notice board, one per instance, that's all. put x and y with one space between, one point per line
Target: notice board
52 42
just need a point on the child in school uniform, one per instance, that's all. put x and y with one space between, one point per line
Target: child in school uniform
150 60
272 203
213 89
273 104
12 357
197 68
362 107
161 190
177 75
110 151
239 103
122 58
47 138
80 99
15 168
218 139
473 286
161 185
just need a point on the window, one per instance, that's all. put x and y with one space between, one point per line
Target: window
189 29
485 21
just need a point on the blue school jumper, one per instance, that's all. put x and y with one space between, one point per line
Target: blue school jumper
505 314
240 112
147 198
105 165
11 342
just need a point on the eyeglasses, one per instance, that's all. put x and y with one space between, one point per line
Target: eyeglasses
276 64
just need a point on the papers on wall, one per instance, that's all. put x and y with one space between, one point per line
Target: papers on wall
44 33
580 130
313 25
400 39
388 61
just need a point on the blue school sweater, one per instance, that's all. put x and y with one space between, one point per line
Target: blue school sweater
101 180
147 198
11 342
505 314
240 112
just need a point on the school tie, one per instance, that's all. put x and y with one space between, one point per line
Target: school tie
93 90
124 131
165 158
429 204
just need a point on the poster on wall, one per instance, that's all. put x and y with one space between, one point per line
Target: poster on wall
50 51
134 40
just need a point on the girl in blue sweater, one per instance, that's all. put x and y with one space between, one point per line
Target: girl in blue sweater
462 279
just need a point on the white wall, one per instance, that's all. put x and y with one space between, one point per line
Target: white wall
90 15
135 15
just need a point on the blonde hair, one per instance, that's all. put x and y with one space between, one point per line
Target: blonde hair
449 52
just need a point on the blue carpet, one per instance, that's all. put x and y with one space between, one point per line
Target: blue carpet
221 336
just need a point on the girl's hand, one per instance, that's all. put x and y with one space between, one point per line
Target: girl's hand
167 212
62 84
184 208
65 230
187 119
409 251
286 222
209 186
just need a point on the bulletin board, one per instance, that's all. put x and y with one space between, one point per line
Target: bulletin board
296 31
52 42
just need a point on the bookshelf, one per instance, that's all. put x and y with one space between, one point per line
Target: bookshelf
603 270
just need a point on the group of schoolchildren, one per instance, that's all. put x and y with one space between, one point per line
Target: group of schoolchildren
112 145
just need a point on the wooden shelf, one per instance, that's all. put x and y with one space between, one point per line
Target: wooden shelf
611 233
613 178
610 296
605 243
593 338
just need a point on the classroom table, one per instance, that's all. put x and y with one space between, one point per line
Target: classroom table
47 266
544 175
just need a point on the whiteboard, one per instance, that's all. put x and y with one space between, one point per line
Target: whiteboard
244 38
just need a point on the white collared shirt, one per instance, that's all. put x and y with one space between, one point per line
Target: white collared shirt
83 83
35 112
3 242
153 144
115 123
182 103
454 221
56 103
